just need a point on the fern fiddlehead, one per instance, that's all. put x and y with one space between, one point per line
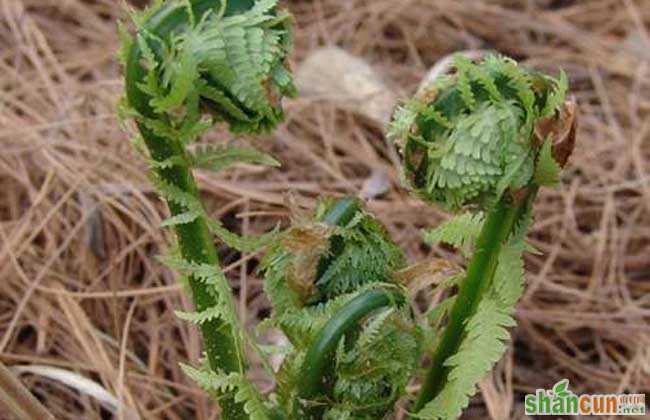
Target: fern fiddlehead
354 342
481 140
192 64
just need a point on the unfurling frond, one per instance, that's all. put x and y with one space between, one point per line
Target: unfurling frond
470 141
322 262
193 64
312 272
231 65
483 140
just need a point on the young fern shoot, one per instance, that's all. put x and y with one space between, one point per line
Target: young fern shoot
192 64
354 342
480 143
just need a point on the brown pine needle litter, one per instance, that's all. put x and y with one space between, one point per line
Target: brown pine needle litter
81 291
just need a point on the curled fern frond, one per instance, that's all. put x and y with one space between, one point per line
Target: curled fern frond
482 140
192 64
469 141
220 57
331 281
321 259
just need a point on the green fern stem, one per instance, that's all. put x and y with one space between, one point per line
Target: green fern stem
498 226
194 238
321 351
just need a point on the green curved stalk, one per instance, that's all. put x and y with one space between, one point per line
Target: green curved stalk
498 226
194 239
321 351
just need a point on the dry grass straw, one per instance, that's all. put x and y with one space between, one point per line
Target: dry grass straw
80 289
